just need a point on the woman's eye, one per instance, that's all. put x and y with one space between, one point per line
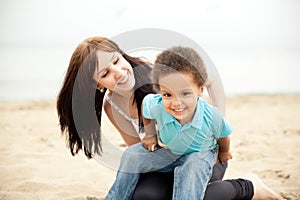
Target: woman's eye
116 60
104 74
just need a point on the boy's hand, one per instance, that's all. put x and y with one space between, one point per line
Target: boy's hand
224 152
224 156
150 142
160 143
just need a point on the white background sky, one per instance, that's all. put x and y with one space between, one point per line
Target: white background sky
273 22
225 29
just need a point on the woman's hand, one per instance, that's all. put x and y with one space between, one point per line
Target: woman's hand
150 142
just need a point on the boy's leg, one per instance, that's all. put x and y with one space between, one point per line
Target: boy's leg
136 159
123 186
192 175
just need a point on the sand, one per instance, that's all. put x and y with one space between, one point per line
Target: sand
35 163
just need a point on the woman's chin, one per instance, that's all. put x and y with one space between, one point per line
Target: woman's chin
126 87
124 90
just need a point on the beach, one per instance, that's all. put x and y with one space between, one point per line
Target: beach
36 164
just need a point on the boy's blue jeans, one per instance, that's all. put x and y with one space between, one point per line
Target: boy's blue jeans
191 172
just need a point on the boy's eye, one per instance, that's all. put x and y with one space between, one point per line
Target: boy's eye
186 93
166 95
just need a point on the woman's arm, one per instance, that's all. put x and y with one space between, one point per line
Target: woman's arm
125 128
215 88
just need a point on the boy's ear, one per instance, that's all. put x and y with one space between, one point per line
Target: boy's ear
200 91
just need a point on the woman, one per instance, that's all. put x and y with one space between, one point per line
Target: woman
98 65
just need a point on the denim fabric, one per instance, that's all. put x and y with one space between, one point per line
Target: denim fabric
191 172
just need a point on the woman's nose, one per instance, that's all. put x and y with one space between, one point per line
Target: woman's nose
118 71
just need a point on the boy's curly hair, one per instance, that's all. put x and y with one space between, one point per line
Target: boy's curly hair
180 59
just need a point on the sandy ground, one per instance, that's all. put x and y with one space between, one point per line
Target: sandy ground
35 163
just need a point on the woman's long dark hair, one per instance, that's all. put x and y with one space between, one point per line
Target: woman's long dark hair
79 103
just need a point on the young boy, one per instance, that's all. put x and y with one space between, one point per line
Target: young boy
190 130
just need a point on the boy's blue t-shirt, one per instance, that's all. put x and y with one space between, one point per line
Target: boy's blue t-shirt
200 134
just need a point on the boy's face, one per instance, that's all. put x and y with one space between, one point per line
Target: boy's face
179 95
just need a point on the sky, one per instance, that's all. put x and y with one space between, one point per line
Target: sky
256 31
232 21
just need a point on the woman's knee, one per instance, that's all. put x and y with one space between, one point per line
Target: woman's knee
220 190
154 186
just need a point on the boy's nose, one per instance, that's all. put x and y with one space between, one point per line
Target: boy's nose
177 101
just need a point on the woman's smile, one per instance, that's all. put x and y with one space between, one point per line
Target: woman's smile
123 79
125 83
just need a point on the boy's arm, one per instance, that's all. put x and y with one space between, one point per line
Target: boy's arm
150 139
224 149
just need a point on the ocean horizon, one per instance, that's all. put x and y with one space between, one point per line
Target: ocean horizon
34 72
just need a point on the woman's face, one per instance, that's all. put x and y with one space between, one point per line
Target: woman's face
114 72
